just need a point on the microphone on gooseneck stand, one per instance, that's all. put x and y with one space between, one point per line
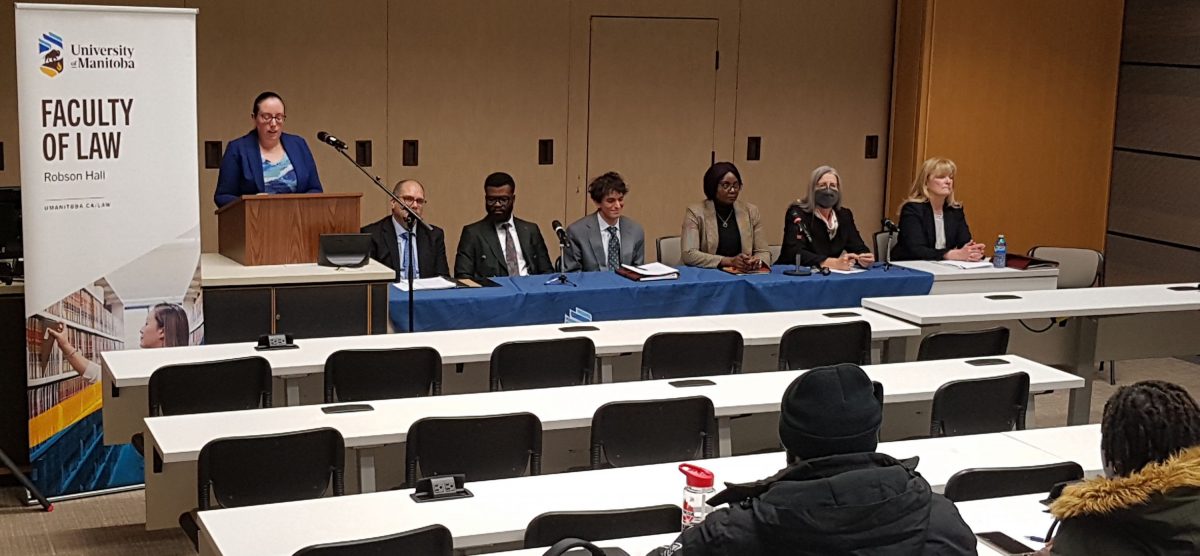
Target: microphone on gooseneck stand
802 234
331 140
892 229
559 231
562 254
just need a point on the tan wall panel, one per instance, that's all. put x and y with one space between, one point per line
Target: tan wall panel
1162 31
11 174
814 91
1157 110
1132 262
1156 197
327 61
478 84
650 112
1021 95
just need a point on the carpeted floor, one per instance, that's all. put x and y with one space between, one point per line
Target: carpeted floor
113 524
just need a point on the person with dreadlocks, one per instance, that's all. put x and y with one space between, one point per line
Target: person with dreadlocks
1149 502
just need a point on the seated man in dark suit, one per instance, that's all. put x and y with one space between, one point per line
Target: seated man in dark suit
605 240
389 236
501 245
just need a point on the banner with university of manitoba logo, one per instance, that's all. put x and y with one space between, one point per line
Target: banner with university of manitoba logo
106 100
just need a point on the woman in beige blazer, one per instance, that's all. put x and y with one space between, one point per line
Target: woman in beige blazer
723 231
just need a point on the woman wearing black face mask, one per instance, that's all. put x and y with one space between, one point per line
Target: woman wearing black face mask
820 230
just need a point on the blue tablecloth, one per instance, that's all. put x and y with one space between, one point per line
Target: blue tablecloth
607 296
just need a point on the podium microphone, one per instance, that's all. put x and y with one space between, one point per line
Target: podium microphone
331 140
890 226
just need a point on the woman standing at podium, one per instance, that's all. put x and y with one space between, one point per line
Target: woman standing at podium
266 160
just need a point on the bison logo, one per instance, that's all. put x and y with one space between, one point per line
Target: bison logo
50 49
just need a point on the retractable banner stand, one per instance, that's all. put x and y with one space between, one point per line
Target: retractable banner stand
107 112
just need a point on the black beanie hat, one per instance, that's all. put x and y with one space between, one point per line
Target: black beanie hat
829 411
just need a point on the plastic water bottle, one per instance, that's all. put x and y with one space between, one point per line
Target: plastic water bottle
1000 254
696 494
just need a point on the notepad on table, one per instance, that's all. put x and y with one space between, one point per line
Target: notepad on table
648 272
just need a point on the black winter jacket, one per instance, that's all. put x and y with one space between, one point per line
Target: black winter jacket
845 505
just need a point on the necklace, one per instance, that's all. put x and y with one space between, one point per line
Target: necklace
725 219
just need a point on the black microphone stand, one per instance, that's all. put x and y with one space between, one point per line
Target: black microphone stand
412 217
562 265
891 229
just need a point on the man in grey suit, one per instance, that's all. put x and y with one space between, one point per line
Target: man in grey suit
605 240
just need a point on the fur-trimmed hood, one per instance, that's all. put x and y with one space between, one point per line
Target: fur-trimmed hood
1102 496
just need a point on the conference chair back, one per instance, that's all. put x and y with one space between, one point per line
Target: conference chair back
551 527
669 250
210 386
356 375
481 448
992 342
880 242
690 354
542 364
980 405
625 434
434 540
997 482
1077 267
819 345
270 468
207 387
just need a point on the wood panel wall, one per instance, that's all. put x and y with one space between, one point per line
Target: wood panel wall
1153 233
1021 95
477 84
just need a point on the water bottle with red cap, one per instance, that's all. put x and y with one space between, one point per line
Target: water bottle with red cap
696 494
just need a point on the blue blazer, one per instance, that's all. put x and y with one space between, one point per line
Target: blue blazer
241 168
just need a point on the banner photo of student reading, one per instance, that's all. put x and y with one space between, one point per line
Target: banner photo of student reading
106 102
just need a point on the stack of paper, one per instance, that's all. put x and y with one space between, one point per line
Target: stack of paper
967 265
435 283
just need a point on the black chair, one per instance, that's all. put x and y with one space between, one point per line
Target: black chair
542 364
207 387
434 540
819 345
980 405
689 354
992 342
266 469
356 375
653 431
977 484
482 448
549 528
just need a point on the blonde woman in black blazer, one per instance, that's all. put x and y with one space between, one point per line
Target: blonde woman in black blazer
931 205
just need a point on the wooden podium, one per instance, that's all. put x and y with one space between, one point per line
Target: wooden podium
282 229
